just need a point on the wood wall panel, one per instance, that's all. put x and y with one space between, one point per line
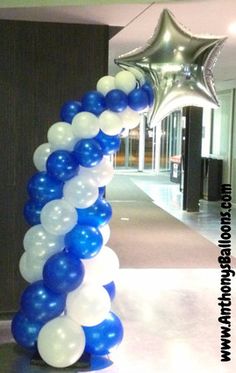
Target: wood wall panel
42 65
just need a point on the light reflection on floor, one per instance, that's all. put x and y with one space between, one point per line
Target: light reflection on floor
170 318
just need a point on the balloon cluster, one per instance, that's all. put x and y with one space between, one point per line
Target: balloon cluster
66 308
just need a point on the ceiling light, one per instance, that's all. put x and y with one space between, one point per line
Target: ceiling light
232 28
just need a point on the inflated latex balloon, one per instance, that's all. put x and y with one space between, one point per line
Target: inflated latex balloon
109 144
106 84
116 100
130 118
61 165
102 338
103 268
41 155
40 304
84 241
102 191
31 268
101 174
178 65
25 331
110 123
85 125
88 305
69 110
60 136
63 272
106 232
32 211
138 99
44 188
94 102
61 342
58 217
111 289
125 81
88 152
81 192
96 215
41 244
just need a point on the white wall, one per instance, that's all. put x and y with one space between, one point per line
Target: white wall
224 134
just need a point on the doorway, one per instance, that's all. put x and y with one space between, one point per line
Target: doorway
151 149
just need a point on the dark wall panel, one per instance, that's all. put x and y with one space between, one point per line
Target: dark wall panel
42 65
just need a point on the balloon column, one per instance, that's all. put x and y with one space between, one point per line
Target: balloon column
66 308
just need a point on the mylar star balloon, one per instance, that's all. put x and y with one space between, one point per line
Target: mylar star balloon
178 65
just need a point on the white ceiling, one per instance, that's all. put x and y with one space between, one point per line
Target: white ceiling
210 17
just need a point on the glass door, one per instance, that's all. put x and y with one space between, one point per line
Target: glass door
152 148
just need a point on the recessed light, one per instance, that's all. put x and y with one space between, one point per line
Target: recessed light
232 28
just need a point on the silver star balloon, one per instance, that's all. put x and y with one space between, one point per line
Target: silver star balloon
178 65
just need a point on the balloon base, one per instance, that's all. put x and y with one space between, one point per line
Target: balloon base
83 364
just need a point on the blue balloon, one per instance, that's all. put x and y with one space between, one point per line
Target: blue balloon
32 211
94 102
63 272
44 188
61 165
101 338
150 93
102 191
25 332
83 241
116 100
40 304
111 289
88 152
109 144
98 214
138 99
69 110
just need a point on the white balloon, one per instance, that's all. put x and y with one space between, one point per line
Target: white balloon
130 118
106 232
106 84
58 217
125 81
60 136
31 270
101 173
41 155
88 305
41 244
85 125
80 191
103 268
61 342
110 123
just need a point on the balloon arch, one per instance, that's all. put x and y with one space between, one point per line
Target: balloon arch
66 309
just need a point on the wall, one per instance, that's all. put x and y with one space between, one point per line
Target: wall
41 66
224 134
